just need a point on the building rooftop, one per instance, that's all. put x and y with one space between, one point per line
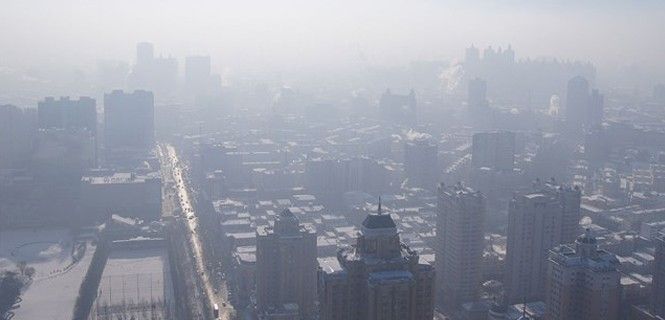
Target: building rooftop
379 221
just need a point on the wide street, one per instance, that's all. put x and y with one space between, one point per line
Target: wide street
217 296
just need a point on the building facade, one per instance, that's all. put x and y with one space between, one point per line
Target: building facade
460 244
538 221
286 268
129 120
583 282
377 278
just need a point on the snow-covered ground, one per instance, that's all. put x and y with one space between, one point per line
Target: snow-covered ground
135 275
57 279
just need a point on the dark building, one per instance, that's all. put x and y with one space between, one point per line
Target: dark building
378 278
126 194
286 268
461 241
17 131
477 95
129 120
65 113
398 108
494 150
584 110
421 162
155 74
198 78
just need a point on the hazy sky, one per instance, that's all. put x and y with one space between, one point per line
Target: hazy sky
309 32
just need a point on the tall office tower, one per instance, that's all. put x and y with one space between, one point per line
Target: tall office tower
584 110
399 108
156 74
477 94
594 116
145 53
658 285
129 120
421 162
583 282
471 55
494 150
65 113
197 75
577 101
286 268
538 221
460 239
379 278
17 132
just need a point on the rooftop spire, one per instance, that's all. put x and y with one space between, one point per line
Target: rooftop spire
379 212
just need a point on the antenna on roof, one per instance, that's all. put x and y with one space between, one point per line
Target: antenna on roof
379 205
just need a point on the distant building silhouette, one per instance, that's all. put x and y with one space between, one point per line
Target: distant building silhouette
584 110
583 282
398 108
477 95
199 81
65 113
460 240
421 162
494 150
156 74
286 269
379 278
129 122
17 132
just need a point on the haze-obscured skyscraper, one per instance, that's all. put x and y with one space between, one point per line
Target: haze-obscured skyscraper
379 278
17 132
421 162
399 108
538 221
494 150
460 243
477 94
584 110
65 113
155 74
197 74
129 120
286 268
583 282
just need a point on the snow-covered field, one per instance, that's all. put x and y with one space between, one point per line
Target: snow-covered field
138 275
57 279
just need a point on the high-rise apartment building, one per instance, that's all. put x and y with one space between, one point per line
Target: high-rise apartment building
421 162
477 94
286 268
129 120
65 113
460 244
154 73
399 108
494 150
583 282
378 278
538 221
583 109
